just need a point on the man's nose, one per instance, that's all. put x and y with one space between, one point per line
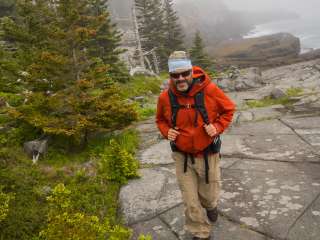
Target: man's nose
181 77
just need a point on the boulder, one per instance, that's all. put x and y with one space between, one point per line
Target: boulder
3 102
277 93
236 80
36 148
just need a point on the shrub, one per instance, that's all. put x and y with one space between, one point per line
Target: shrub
146 112
65 222
145 237
117 164
4 203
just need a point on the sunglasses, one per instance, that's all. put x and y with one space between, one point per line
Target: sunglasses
183 74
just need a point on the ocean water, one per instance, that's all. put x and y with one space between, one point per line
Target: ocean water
306 28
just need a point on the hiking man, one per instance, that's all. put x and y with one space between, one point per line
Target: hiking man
191 114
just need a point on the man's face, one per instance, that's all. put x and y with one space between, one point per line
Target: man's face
182 80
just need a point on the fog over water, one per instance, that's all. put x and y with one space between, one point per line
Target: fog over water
307 27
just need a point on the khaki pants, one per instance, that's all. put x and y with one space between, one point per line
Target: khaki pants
196 193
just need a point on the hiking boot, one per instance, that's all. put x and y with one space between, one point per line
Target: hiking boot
213 214
197 238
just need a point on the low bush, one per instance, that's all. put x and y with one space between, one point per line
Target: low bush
4 203
117 164
67 222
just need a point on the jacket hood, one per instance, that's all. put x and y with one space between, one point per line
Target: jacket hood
201 79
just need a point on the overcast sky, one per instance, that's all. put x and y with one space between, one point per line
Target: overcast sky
303 7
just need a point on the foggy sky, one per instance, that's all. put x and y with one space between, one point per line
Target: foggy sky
302 7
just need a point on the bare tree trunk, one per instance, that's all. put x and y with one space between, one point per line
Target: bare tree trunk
148 62
155 61
136 31
75 64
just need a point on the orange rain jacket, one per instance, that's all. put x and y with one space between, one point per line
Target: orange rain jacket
194 139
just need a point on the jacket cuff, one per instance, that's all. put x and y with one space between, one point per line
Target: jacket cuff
165 131
218 127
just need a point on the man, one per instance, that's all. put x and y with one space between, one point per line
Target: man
191 114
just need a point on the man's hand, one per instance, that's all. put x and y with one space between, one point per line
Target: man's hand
211 130
172 134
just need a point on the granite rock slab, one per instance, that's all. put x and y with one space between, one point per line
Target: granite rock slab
154 228
159 153
269 196
144 198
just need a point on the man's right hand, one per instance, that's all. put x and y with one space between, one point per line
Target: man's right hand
172 134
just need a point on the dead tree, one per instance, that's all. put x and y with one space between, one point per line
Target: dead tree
136 31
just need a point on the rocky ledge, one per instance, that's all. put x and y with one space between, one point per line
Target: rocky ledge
271 50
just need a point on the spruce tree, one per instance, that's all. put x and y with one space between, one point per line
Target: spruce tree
151 25
107 43
174 36
198 55
67 85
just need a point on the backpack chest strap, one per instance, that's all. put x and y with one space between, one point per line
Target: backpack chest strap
199 105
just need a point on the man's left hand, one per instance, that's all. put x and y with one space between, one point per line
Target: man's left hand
211 130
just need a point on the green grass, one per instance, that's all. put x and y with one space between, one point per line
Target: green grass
146 112
268 101
145 86
294 92
141 86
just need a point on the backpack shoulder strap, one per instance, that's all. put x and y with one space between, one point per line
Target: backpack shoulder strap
200 106
175 106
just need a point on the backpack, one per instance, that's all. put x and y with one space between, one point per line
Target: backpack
199 106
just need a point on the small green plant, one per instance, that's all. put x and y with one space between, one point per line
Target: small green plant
117 164
66 222
145 237
5 199
145 113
